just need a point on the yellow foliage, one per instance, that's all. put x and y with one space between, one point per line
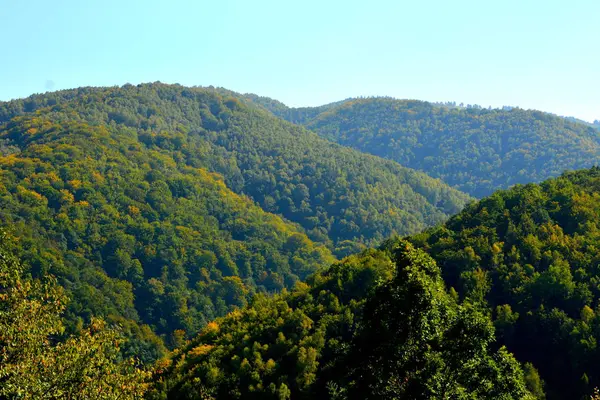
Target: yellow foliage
31 194
67 196
133 210
53 177
212 327
98 178
201 350
75 183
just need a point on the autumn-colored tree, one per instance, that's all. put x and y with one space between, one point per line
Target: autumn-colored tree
36 364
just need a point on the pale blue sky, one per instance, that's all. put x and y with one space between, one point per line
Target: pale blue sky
529 53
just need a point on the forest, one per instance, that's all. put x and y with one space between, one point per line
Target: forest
168 242
340 197
474 149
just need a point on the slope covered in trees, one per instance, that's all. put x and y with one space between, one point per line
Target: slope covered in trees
37 359
473 149
134 233
339 196
533 254
379 325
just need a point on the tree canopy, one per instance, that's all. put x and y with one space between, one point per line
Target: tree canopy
474 149
339 196
379 325
37 359
532 254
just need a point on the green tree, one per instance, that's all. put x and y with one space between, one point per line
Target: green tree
417 342
35 364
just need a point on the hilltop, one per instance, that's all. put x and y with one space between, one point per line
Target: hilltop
473 149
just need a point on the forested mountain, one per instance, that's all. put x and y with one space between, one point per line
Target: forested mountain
595 124
339 196
533 254
37 359
474 149
379 325
144 202
168 210
131 232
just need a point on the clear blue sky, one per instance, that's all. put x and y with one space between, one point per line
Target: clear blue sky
530 53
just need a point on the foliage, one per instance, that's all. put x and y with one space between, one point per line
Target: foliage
418 342
334 193
35 365
135 236
280 346
474 149
351 332
532 253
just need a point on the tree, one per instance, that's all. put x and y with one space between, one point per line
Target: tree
418 342
34 364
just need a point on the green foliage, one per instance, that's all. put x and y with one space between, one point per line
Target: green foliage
539 246
35 365
351 332
475 150
285 346
334 193
418 342
133 234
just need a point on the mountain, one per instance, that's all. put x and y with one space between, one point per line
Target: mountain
379 325
473 149
339 196
595 124
532 254
524 260
131 232
162 207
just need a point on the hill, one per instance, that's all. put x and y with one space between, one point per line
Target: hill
145 202
133 233
473 149
532 254
378 325
525 260
339 196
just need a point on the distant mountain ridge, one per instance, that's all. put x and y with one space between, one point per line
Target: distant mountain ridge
474 149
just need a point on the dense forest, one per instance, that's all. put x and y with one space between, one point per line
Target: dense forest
340 197
145 203
379 325
165 242
532 254
522 271
474 149
132 233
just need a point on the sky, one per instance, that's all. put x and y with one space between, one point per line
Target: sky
529 53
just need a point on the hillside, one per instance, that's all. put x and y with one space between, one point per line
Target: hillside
532 253
155 206
379 325
134 233
472 149
524 260
339 196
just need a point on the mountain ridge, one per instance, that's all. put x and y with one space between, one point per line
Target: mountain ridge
474 149
236 148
